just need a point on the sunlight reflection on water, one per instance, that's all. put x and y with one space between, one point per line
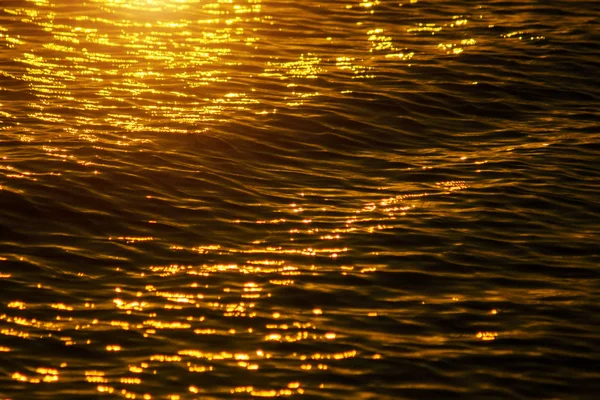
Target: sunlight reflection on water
216 199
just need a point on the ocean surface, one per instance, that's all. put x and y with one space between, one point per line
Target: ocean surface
320 199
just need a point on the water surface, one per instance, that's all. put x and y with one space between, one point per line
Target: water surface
311 199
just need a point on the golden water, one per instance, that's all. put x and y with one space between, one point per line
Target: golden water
322 199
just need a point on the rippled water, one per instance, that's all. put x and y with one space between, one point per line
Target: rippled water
325 199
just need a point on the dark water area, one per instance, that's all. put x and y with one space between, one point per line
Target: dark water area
209 199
